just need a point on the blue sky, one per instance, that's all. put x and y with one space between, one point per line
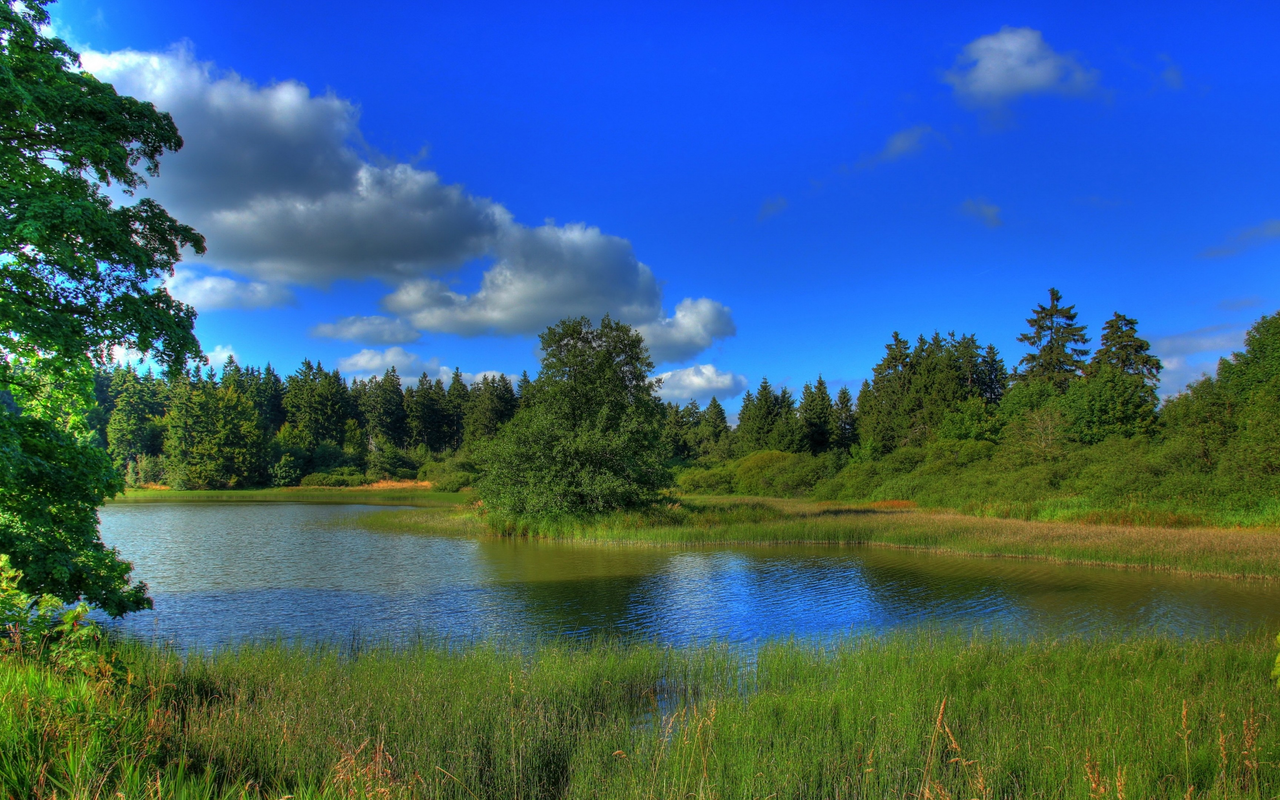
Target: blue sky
763 190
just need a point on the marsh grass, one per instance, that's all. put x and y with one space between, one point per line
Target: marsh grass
1220 552
919 714
385 493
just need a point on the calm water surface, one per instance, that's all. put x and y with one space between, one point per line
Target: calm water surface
221 573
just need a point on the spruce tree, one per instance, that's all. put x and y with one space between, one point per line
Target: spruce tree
817 417
426 414
713 434
458 396
1054 334
846 420
1123 350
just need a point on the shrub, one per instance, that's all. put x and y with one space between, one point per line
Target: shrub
716 480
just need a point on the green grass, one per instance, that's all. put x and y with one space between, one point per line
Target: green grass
376 494
860 718
702 521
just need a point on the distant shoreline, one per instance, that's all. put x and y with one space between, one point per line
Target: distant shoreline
1234 553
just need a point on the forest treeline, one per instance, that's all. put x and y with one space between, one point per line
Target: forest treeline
1066 431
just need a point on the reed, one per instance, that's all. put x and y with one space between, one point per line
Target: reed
1221 552
918 714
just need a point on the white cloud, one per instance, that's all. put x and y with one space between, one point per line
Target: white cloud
1187 357
700 382
692 329
1002 66
209 292
218 355
274 178
368 363
368 330
981 209
903 143
410 367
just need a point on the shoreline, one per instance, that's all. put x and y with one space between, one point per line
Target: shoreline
698 521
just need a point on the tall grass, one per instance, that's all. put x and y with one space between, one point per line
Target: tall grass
922 714
410 494
1237 553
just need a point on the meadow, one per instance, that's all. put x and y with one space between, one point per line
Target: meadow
916 714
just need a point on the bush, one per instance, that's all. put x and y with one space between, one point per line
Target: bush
342 476
716 480
453 482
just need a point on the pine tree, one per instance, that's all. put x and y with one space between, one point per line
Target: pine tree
132 430
713 434
1054 334
426 414
458 396
523 387
846 420
817 417
382 404
1122 349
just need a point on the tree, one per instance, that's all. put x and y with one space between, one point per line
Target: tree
1123 350
590 438
713 435
1054 334
817 417
78 276
846 417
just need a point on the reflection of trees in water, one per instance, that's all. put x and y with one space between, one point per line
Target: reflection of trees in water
739 591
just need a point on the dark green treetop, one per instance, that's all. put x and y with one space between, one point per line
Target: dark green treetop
1123 350
590 439
817 417
1054 334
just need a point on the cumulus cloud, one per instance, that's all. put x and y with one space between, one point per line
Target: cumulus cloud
218 355
979 208
692 329
274 178
368 363
210 292
410 367
1187 357
1245 239
903 143
700 382
1002 66
368 330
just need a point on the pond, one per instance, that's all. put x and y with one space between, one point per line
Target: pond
226 572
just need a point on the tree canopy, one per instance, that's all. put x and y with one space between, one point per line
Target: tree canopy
78 277
588 438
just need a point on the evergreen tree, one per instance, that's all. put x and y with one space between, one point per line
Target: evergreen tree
846 420
817 417
457 397
132 430
426 414
491 403
1124 351
1055 335
712 436
523 387
679 434
382 407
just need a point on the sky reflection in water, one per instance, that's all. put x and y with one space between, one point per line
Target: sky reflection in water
222 573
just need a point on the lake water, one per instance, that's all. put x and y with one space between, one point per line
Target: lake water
221 573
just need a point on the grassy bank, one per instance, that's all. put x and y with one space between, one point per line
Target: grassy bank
385 493
1240 553
1146 717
